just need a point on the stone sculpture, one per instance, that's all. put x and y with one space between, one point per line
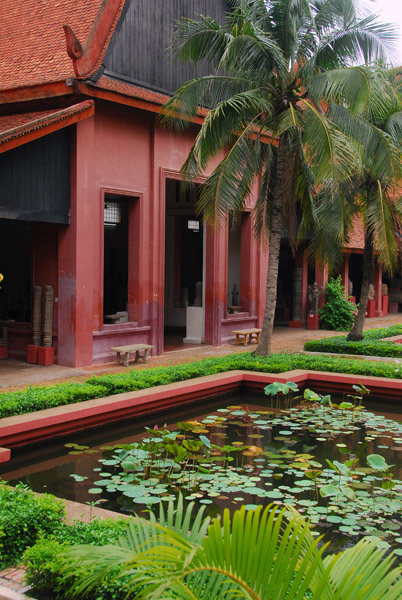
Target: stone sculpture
198 294
314 292
235 295
371 292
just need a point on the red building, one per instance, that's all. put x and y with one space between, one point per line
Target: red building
91 201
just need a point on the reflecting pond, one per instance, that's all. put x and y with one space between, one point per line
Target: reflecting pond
339 465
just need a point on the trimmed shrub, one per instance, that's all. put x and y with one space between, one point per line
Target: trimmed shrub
370 345
337 313
44 561
32 399
24 516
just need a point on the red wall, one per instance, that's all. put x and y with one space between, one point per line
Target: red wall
122 150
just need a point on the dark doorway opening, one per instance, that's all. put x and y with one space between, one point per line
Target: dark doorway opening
356 274
115 270
184 249
284 298
15 266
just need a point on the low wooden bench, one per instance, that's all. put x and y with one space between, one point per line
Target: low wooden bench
243 334
137 348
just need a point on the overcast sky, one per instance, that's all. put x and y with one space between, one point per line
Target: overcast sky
390 11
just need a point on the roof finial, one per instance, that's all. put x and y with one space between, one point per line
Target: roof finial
74 48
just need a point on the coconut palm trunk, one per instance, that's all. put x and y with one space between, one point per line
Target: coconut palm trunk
356 332
264 345
267 64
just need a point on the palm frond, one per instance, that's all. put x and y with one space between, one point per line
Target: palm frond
226 189
350 85
329 151
200 40
365 572
205 91
380 221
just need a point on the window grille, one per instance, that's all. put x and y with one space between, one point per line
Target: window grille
112 213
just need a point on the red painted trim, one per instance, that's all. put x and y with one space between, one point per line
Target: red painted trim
87 60
23 429
34 92
42 126
5 454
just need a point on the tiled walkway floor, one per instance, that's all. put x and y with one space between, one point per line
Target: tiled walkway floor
16 374
12 585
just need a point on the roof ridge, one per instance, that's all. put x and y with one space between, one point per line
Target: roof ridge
87 58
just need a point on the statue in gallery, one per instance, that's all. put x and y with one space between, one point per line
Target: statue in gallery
314 292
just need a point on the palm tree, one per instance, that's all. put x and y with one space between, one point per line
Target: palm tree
379 198
374 194
262 554
260 112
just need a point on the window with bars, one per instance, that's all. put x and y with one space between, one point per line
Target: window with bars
112 213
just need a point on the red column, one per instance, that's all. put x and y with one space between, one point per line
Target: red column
215 283
377 281
76 254
345 276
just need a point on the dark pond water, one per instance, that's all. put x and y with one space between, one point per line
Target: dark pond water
236 451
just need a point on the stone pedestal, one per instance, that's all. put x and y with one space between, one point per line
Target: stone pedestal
194 325
352 299
370 314
295 324
313 322
32 354
393 307
3 352
45 356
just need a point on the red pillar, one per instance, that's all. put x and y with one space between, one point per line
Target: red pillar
215 283
377 281
76 254
345 276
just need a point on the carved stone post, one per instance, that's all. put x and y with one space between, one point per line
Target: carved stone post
36 315
48 317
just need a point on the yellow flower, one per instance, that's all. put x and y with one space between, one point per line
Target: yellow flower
1 277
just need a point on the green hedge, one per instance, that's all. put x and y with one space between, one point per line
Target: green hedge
371 345
24 516
32 399
37 398
275 363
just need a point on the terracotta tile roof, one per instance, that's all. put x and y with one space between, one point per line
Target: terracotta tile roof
128 89
32 42
356 240
20 128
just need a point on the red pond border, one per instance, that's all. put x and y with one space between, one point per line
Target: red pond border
33 427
